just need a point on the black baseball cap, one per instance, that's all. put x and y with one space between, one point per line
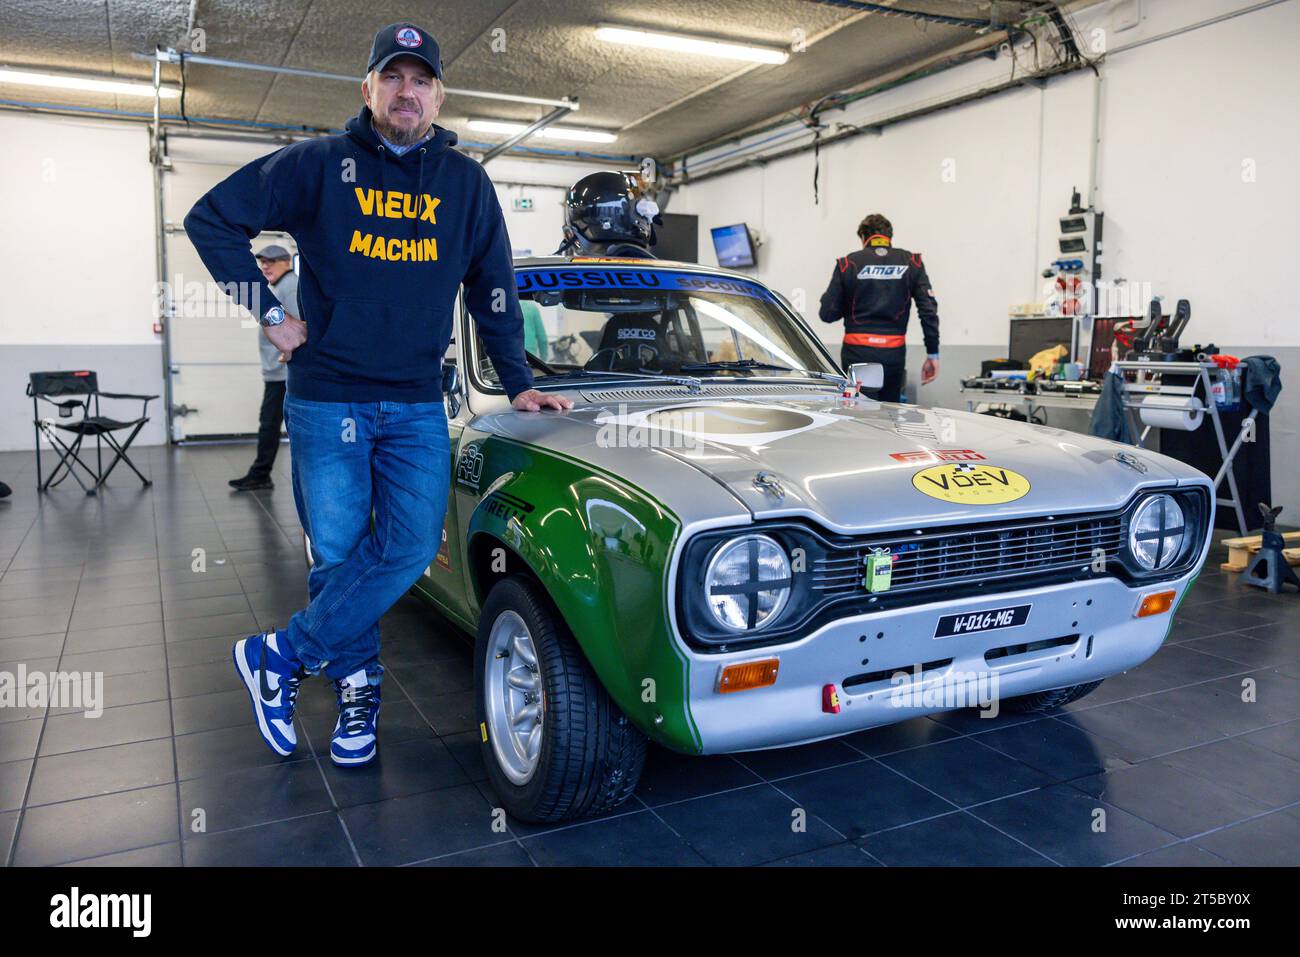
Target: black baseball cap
404 39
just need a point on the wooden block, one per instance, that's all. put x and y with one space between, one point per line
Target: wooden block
1231 543
1239 558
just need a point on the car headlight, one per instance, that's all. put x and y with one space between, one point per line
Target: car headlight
1156 532
747 583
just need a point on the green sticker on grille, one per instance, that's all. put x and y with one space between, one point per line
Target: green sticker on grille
880 567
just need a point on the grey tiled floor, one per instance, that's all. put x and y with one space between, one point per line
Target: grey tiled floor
1185 771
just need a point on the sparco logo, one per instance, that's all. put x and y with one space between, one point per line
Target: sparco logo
75 910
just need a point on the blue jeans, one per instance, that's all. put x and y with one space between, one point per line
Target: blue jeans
349 458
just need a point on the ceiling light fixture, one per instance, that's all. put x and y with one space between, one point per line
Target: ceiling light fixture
94 84
701 46
550 132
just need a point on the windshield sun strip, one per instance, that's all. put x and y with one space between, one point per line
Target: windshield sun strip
734 376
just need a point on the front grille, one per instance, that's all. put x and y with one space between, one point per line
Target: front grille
1035 548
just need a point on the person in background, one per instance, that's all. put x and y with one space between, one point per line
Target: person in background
872 290
276 264
535 338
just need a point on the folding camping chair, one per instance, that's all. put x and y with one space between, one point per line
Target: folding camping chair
53 388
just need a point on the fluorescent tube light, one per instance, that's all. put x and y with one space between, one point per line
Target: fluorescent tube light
67 81
550 132
697 45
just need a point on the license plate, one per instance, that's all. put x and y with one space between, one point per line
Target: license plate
967 623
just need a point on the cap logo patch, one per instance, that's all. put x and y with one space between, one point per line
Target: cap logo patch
408 37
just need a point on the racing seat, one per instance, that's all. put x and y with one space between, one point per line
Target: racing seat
628 340
55 388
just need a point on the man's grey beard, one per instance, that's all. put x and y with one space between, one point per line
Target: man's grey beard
399 137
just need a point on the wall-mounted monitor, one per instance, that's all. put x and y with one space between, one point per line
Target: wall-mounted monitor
733 245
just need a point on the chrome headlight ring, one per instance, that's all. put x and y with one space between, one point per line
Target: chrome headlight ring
1157 532
747 583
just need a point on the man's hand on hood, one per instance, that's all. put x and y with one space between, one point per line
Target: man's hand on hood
533 400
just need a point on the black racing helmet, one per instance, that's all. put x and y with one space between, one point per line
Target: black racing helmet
602 208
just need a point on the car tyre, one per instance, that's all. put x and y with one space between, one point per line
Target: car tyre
1044 701
589 756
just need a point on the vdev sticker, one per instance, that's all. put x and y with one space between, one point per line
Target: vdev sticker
969 483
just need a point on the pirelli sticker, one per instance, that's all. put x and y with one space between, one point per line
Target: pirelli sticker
938 455
971 483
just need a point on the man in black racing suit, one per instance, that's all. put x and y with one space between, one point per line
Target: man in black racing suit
872 290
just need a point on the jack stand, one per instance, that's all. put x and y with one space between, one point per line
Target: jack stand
1268 568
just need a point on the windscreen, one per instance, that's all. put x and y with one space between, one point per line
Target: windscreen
657 322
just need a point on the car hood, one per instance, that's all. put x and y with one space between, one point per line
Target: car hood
853 464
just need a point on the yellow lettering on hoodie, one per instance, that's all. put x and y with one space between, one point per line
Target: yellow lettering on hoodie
360 243
366 200
377 251
393 205
430 247
430 204
409 204
394 254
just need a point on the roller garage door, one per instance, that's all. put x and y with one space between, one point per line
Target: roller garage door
212 348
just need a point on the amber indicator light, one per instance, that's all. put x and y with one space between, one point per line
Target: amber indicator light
1156 604
749 674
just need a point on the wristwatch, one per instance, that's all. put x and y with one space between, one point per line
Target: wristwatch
273 316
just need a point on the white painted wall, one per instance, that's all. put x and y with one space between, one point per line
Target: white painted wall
1179 118
76 250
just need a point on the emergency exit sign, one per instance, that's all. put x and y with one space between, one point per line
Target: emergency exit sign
523 204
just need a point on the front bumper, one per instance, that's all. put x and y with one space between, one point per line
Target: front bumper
1093 623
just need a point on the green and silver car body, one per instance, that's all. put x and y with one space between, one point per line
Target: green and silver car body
889 548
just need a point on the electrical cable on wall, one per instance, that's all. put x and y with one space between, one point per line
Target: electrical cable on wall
810 120
184 83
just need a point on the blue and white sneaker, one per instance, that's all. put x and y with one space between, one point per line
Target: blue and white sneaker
354 733
272 679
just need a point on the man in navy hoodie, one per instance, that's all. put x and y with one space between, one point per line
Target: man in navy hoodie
390 222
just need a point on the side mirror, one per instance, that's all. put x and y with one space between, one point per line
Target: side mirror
451 389
868 375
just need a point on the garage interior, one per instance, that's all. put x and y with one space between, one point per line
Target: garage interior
979 127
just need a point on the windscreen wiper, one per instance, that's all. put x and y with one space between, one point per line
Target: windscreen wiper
540 364
691 382
728 364
743 364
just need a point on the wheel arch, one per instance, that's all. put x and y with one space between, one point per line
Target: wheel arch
600 549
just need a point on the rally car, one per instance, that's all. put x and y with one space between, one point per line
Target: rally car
726 546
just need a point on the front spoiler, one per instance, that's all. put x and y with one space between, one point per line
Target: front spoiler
1100 612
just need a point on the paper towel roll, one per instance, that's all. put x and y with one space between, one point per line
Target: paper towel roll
1172 412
